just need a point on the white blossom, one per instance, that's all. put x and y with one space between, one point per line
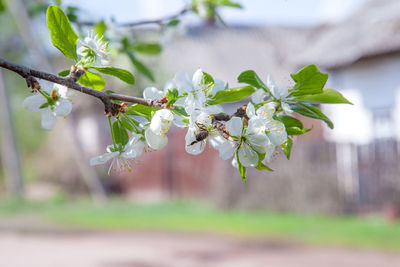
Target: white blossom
93 50
197 91
281 94
120 159
249 140
52 102
258 96
156 133
275 130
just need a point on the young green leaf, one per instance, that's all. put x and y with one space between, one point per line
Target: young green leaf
328 96
122 74
141 110
121 136
172 96
62 35
287 147
250 77
100 28
231 95
242 169
125 123
227 3
312 112
92 80
140 66
309 80
2 5
146 48
173 22
63 73
290 121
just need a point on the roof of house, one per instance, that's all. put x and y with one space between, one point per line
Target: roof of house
372 30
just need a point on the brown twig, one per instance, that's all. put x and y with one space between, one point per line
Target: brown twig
159 21
111 108
30 76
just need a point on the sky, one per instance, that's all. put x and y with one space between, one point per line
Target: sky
256 12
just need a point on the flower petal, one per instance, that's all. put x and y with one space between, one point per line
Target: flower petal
266 111
247 156
277 132
61 89
155 141
286 108
161 121
219 85
133 149
152 93
33 102
269 153
63 107
182 82
196 148
234 126
103 158
225 147
48 119
197 79
250 110
258 96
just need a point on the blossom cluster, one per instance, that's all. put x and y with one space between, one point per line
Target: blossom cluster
250 139
192 101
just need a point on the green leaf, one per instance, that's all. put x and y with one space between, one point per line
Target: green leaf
328 96
242 169
63 73
309 80
290 122
231 95
180 111
140 66
287 147
71 13
250 77
92 80
122 74
120 134
44 105
173 22
297 131
146 48
2 5
141 110
62 35
100 28
227 3
312 112
125 123
261 166
172 96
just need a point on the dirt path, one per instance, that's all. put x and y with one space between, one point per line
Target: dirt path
171 250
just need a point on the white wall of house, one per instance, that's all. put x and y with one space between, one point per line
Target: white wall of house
372 84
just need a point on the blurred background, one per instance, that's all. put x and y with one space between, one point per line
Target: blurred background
336 202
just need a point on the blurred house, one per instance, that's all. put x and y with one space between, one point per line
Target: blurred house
353 166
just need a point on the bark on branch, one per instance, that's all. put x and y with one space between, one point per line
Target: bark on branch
30 76
159 21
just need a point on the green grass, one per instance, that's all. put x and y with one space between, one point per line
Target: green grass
120 215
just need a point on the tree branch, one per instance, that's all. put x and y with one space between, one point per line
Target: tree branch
158 21
30 76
